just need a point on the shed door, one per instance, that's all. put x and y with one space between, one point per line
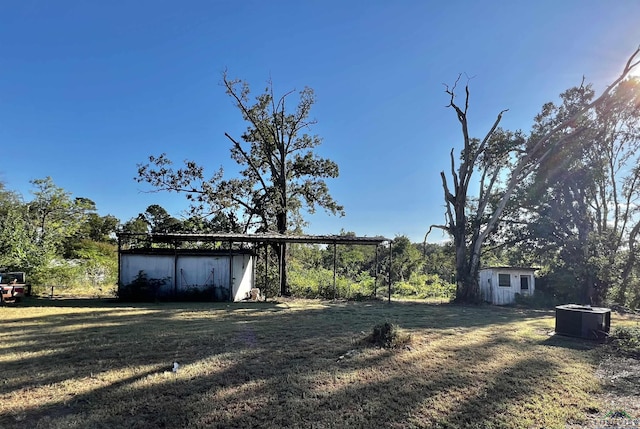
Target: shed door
524 284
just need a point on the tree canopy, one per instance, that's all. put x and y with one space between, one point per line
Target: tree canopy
281 174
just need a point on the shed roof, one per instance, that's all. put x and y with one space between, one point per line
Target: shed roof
506 268
257 238
187 252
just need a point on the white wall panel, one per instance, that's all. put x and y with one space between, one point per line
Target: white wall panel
154 266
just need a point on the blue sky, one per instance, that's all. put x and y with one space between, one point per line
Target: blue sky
90 89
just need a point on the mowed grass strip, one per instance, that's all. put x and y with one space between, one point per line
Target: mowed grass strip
91 364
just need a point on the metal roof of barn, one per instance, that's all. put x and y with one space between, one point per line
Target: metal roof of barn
172 251
258 238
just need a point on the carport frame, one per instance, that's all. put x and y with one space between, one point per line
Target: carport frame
266 239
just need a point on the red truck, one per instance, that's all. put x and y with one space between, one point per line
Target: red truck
13 287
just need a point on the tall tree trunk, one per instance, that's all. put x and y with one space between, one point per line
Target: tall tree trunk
281 221
628 268
467 257
461 265
467 283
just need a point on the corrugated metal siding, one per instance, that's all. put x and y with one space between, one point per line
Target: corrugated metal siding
200 272
154 266
192 273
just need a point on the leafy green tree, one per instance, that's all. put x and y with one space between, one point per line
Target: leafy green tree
15 244
439 259
155 220
136 225
281 175
160 221
55 215
580 205
310 256
351 259
100 228
92 227
407 259
99 261
55 238
311 270
55 219
220 222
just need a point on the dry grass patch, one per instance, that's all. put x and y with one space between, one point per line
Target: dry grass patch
91 364
619 370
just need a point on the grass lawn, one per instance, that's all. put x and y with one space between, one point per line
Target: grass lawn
100 364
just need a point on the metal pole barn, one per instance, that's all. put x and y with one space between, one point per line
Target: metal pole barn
269 238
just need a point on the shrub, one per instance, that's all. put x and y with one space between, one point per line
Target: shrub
142 289
388 336
627 340
424 286
58 273
318 283
537 300
81 276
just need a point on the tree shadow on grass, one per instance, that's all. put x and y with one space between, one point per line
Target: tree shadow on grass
116 303
242 368
573 343
433 315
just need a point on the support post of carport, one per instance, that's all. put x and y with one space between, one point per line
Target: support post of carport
254 268
334 269
266 266
230 271
375 276
281 264
119 264
390 265
175 269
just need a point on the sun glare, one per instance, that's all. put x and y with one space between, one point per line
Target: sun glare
635 71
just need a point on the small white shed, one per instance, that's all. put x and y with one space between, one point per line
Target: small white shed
499 285
221 275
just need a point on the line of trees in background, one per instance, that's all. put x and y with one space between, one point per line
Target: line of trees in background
57 239
416 270
564 197
62 241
